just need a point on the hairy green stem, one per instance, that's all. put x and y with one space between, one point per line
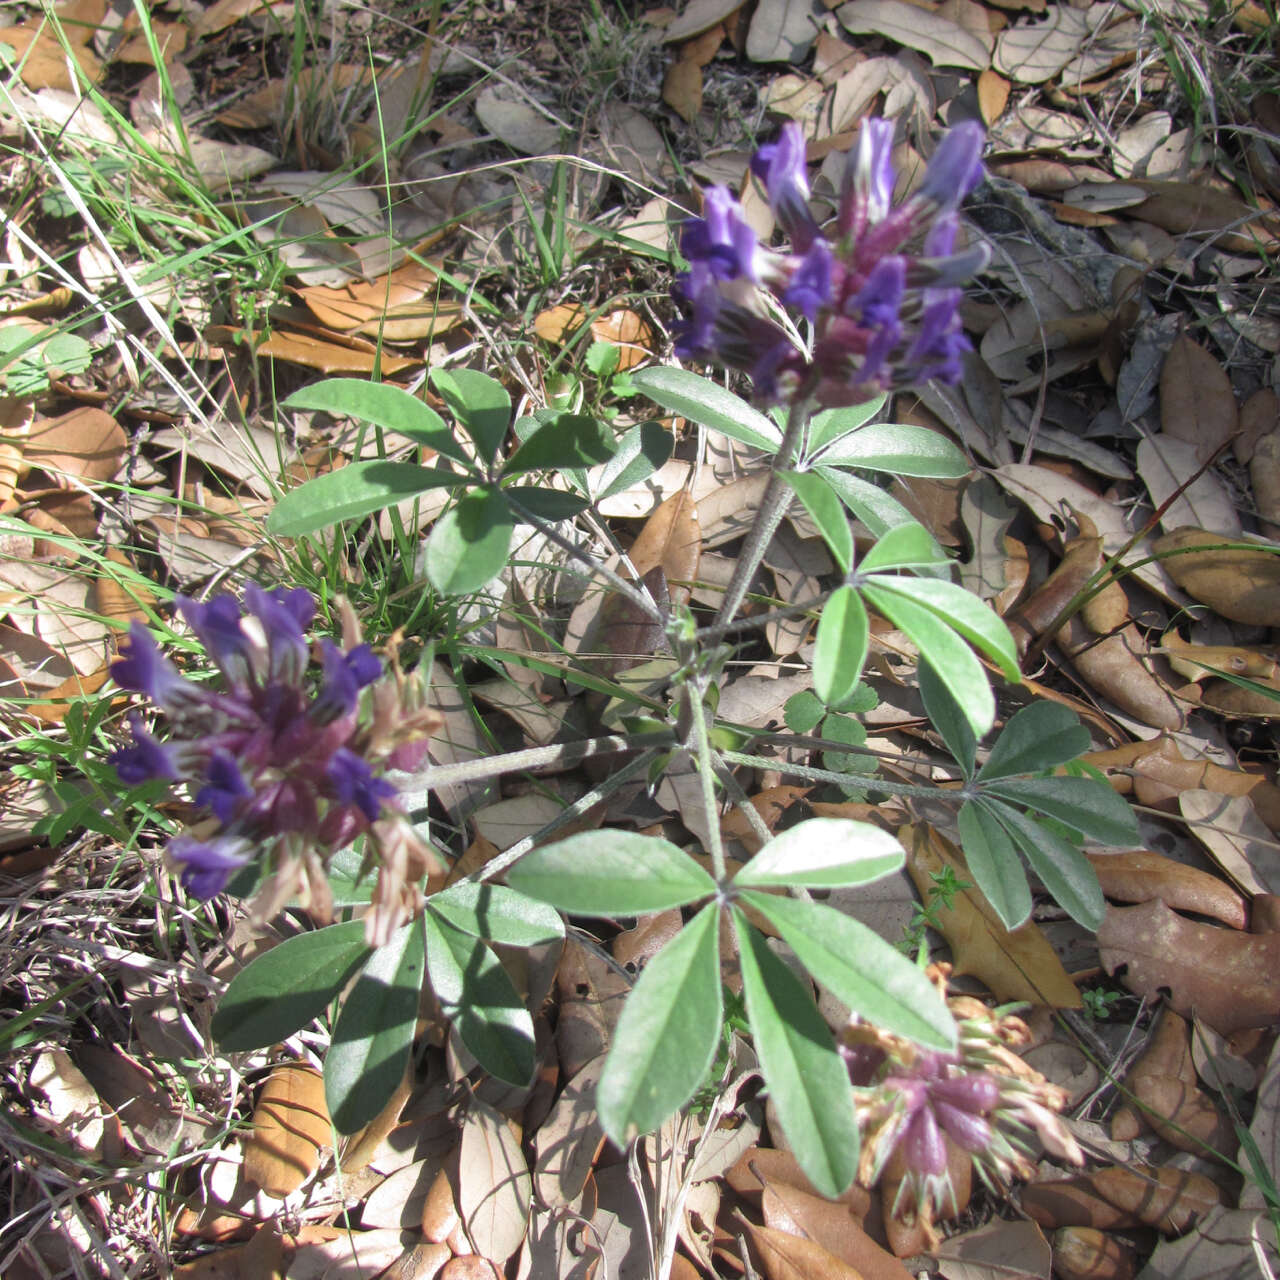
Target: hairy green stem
700 741
840 779
773 506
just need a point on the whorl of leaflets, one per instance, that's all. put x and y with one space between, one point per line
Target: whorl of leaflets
281 765
879 289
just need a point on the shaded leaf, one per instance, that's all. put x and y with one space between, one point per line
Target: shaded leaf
290 1125
471 542
496 914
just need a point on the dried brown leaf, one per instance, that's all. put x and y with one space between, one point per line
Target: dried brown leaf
1083 1253
942 40
1241 584
682 89
290 1125
495 1189
833 1226
1197 403
1230 979
787 1257
86 445
1141 876
403 306
1016 966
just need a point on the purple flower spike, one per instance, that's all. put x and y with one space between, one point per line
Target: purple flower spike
780 166
283 615
345 674
876 292
205 866
955 168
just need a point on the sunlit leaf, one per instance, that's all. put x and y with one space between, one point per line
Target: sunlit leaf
374 1031
898 448
823 853
611 873
477 995
480 403
497 914
470 543
667 1035
710 405
861 969
831 424
841 644
806 1078
947 718
353 491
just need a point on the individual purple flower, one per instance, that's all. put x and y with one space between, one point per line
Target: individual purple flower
146 759
281 762
874 292
354 783
205 866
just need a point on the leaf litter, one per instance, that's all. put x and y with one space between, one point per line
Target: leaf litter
1058 349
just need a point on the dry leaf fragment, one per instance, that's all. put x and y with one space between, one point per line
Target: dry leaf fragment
86 444
759 1167
403 306
672 541
1033 52
1016 966
943 41
495 1190
1195 206
290 1125
1239 841
1264 472
1259 416
781 1256
1083 1253
329 357
1240 584
1171 1200
993 95
682 89
1141 876
1197 403
1230 979
833 1226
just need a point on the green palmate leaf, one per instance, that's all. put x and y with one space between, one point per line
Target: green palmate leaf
478 997
354 491
611 873
1091 808
667 1035
374 1031
1062 868
480 403
861 969
952 660
947 718
471 543
868 502
823 853
641 451
905 546
962 612
994 863
1040 736
831 424
498 915
380 405
565 441
827 511
709 405
281 991
803 710
841 645
546 504
806 1079
898 448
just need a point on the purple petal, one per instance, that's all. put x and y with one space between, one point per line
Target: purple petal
868 178
880 298
145 759
722 239
354 783
345 674
781 166
216 624
956 166
976 1091
969 1132
809 289
923 1147
205 866
226 788
283 615
142 668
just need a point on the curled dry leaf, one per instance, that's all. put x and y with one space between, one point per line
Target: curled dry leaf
832 1225
404 306
290 1125
1083 1253
1230 979
761 1167
495 1189
1240 584
624 328
1264 473
1240 842
1118 1196
778 1255
671 540
1016 966
1160 773
1141 876
86 445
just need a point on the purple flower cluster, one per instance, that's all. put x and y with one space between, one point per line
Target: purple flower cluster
278 762
983 1100
879 289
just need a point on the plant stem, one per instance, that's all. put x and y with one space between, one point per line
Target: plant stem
773 506
700 741
871 783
